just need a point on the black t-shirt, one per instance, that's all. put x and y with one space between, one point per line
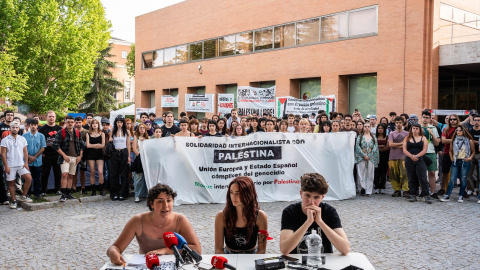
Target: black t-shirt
251 130
293 218
49 133
4 130
218 134
166 132
476 135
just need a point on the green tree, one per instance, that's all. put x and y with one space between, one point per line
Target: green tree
100 97
57 48
131 61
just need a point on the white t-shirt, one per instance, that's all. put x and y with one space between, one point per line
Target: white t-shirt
14 147
291 129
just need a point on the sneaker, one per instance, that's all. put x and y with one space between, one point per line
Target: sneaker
43 195
376 191
25 199
441 192
381 191
460 199
435 196
137 199
121 198
115 198
469 192
412 199
70 197
445 198
397 193
59 192
429 200
406 194
63 198
13 205
6 203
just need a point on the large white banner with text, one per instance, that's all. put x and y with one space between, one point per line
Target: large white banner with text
199 170
199 102
169 101
290 105
255 100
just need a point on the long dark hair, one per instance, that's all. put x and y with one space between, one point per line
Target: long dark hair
248 196
325 123
384 130
115 127
224 130
410 133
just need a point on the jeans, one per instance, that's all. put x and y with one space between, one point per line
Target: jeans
459 166
139 185
106 173
36 173
119 173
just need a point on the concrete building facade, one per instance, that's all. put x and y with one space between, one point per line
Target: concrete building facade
375 56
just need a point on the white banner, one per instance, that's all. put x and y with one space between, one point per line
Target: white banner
199 170
169 101
138 111
225 103
448 112
199 102
255 100
291 105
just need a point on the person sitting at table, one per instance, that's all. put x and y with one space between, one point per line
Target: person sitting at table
300 218
149 227
241 224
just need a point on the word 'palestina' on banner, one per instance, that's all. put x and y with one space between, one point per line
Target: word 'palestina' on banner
201 168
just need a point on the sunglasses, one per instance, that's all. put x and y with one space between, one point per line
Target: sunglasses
455 119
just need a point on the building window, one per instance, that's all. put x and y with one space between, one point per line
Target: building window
127 89
460 16
210 48
310 88
200 91
147 60
334 27
446 12
227 45
362 94
169 56
266 84
232 89
264 39
196 51
152 99
124 54
348 24
362 22
284 36
308 32
158 58
244 43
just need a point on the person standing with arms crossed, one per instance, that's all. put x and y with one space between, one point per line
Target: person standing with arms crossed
50 156
396 162
15 160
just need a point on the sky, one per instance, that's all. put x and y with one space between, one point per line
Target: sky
122 14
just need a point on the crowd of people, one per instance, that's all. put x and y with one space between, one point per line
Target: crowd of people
405 150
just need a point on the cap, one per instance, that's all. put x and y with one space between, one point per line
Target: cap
15 124
413 116
373 116
105 121
473 112
119 118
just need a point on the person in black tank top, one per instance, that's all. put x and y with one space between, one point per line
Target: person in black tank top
414 148
241 224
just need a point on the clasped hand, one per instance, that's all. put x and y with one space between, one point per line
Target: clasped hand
314 213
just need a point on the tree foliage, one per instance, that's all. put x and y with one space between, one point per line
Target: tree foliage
100 97
56 48
131 61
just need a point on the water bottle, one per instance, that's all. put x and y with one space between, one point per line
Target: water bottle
314 244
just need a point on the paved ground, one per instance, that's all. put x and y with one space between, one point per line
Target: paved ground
391 232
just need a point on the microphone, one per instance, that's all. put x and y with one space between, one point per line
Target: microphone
152 262
171 242
182 244
220 262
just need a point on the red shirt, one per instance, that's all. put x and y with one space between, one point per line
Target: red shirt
448 135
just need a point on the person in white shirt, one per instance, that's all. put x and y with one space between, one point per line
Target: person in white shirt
15 160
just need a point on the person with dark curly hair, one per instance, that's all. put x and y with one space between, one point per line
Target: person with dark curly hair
148 228
241 227
300 218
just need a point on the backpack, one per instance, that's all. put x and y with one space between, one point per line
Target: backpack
64 132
